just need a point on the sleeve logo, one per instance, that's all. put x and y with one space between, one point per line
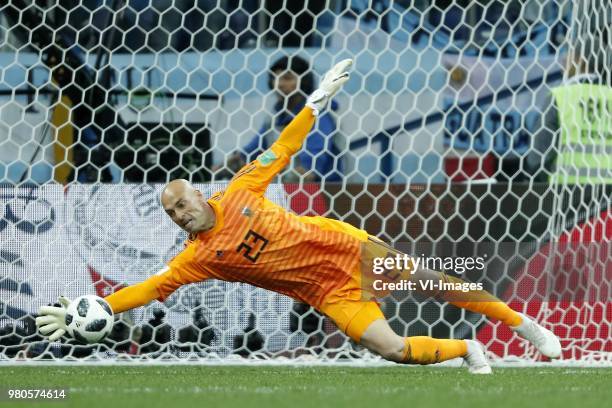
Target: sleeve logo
267 157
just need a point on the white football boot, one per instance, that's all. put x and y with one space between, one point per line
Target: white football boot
543 339
476 359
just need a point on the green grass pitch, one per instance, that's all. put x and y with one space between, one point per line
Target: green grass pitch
273 386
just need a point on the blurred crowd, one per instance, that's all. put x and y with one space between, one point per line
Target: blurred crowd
140 154
198 25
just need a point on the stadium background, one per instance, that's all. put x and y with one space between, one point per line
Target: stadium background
435 131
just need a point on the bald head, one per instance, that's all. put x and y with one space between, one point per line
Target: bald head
175 189
186 206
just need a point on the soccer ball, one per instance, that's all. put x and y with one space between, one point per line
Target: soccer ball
89 319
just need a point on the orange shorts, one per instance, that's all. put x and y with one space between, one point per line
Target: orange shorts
348 309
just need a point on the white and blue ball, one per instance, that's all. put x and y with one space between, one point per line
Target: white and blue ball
89 319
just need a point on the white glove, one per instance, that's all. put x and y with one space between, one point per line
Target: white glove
331 83
52 319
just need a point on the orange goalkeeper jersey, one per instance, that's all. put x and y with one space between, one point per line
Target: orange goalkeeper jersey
258 242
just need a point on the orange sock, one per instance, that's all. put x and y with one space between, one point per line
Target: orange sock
427 350
495 310
481 301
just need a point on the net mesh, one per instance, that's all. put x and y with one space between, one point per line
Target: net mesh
453 134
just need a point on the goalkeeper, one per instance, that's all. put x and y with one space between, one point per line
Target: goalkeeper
238 235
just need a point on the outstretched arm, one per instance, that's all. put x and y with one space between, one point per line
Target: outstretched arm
181 270
292 137
257 175
294 134
135 295
52 319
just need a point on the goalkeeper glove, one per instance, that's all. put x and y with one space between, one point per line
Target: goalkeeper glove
331 83
52 319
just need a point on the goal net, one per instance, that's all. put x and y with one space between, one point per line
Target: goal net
466 130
